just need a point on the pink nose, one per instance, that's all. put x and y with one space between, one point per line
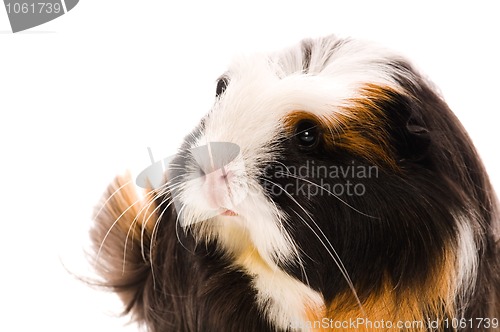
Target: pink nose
217 188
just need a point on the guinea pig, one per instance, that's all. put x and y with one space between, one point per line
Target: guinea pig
329 188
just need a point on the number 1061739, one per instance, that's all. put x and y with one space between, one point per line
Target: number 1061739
33 8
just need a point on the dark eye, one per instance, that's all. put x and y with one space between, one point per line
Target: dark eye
221 86
307 133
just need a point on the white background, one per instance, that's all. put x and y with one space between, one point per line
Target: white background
83 96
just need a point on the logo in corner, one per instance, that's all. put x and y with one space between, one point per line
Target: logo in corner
26 14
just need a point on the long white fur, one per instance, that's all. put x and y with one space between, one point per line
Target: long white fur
467 259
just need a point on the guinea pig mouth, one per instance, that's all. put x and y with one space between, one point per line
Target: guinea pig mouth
229 213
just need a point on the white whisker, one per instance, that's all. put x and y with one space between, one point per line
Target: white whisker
331 193
110 197
333 253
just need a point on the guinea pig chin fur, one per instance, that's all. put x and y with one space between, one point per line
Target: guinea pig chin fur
329 188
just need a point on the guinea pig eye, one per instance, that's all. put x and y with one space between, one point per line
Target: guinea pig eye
221 86
307 134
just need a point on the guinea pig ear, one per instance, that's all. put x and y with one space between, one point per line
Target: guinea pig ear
414 139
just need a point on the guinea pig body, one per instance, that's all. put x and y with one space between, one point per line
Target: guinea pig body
355 202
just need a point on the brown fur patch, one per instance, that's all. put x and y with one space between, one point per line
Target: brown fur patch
122 238
315 316
359 127
384 309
